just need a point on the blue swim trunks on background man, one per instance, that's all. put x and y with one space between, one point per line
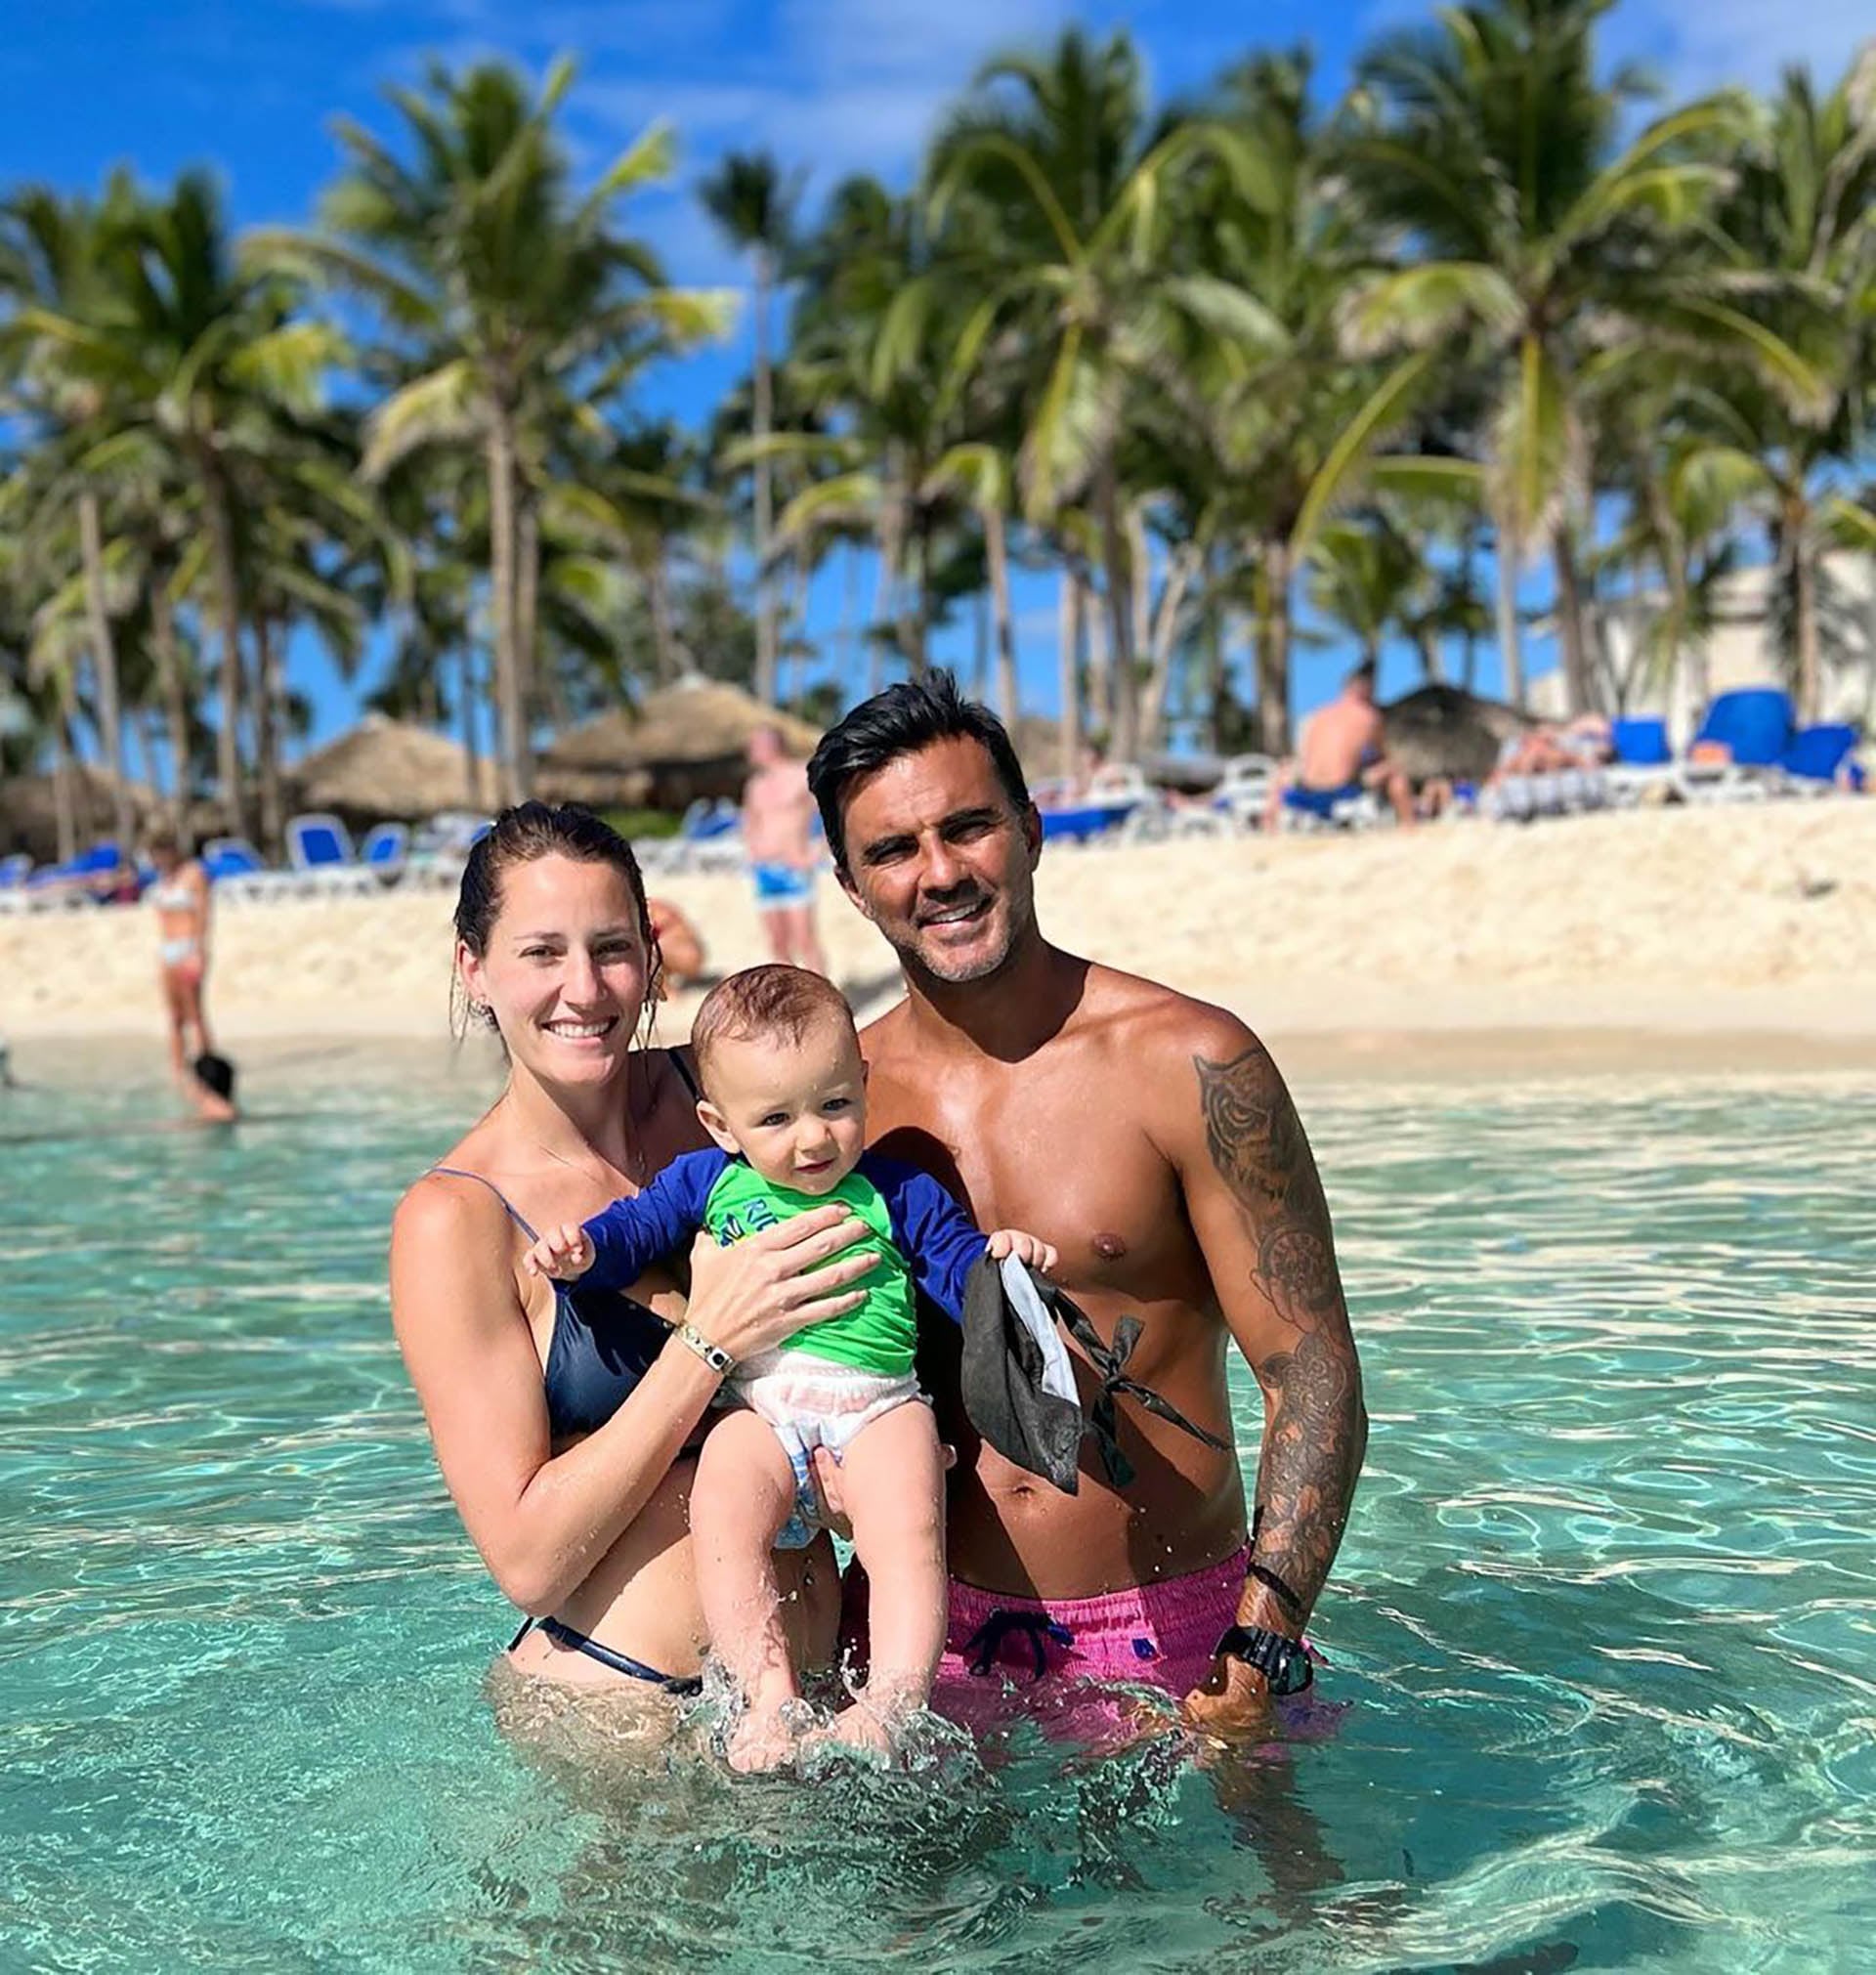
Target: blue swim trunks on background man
1321 802
782 885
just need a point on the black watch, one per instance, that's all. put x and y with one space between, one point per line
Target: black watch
1284 1662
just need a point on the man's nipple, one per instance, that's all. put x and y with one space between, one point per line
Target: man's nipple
1109 1247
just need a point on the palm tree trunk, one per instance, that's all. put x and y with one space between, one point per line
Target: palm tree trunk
980 646
1511 651
1273 648
1426 636
1805 575
997 553
1123 740
103 659
1163 641
916 609
527 619
1578 693
1469 662
511 718
169 680
1074 611
470 753
64 779
267 733
766 641
227 743
1097 690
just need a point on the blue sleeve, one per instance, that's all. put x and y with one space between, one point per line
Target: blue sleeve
935 1234
629 1235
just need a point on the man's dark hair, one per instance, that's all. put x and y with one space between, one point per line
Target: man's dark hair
216 1074
1363 674
901 720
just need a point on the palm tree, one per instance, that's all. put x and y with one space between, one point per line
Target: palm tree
1489 145
54 254
199 353
753 201
1055 201
503 298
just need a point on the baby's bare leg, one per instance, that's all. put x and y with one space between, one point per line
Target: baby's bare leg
744 1492
895 1495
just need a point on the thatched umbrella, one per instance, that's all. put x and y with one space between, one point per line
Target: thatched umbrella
30 810
1444 730
383 768
689 740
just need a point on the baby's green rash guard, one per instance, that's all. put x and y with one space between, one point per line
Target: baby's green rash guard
928 1242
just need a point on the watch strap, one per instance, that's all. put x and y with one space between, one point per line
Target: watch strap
713 1354
1284 1662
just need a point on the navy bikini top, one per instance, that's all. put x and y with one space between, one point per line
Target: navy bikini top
603 1342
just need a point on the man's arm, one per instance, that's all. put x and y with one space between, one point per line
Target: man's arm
1257 1207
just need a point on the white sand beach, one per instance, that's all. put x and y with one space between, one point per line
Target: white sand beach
1728 937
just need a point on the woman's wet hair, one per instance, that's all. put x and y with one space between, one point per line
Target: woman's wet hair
901 720
535 829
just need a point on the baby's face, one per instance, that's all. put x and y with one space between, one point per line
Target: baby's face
796 1111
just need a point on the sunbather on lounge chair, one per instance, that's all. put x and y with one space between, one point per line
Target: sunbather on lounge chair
1342 756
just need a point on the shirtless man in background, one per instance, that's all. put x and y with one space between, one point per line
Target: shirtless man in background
1342 755
1150 1138
777 833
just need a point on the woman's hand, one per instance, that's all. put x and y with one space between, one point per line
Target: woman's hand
751 1296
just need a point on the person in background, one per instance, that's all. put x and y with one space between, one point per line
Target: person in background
777 833
1344 756
180 899
680 945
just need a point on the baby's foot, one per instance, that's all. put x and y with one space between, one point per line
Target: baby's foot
858 1727
762 1739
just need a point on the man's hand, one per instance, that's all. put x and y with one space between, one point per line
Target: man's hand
564 1253
1233 1705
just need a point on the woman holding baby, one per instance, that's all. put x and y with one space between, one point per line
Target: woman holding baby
567 1423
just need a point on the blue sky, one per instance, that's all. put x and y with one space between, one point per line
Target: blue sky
830 85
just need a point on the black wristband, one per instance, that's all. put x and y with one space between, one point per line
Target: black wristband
1290 1603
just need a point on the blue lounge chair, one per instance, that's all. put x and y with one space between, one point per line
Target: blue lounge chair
320 849
1643 759
1083 821
384 851
1812 762
1754 725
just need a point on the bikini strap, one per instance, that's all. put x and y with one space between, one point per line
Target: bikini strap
513 1211
683 1070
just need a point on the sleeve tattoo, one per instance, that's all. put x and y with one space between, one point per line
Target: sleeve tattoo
1315 1428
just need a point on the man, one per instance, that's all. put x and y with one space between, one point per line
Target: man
1342 755
1150 1139
777 833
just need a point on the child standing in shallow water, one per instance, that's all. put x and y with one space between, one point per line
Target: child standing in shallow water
785 1097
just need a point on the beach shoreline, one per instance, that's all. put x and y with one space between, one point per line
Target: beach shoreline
1699 941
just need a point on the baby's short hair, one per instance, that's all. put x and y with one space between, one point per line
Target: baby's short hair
762 1004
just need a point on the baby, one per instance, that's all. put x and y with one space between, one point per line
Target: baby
784 1097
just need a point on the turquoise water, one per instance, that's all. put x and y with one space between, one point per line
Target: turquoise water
1605 1614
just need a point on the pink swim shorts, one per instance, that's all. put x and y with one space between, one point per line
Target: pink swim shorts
1149 1634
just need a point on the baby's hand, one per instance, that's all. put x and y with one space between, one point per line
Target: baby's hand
563 1253
1037 1254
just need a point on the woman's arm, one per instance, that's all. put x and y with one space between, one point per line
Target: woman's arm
543 1520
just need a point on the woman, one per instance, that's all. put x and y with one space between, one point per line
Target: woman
566 1425
180 896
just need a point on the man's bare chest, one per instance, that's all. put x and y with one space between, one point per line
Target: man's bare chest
1056 1158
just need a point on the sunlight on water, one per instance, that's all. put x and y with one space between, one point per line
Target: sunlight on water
1605 1615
